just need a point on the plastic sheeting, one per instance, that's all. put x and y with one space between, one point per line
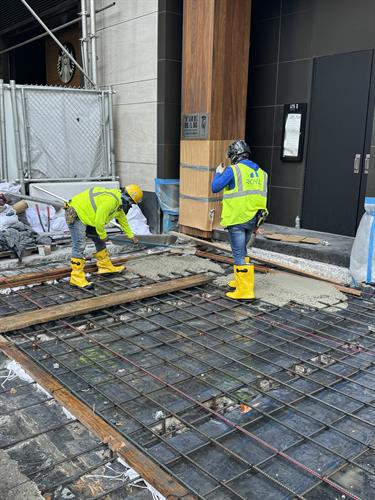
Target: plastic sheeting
137 221
44 218
362 259
56 224
61 133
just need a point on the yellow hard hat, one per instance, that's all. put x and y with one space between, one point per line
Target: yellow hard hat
135 192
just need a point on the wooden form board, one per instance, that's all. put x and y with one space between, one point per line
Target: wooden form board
19 321
274 263
199 207
291 238
141 463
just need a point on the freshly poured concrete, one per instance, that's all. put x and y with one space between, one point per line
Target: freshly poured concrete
279 288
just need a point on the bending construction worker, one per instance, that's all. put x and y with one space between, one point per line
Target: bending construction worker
244 204
87 215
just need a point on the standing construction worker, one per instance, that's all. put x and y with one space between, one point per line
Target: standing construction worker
87 215
244 202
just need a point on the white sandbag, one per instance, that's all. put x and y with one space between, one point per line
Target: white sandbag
57 223
362 258
137 221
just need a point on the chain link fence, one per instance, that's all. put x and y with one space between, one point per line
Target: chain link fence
55 133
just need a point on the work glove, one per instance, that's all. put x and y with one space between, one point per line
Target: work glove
220 169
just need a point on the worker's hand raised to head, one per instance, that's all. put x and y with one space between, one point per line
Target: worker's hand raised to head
220 168
135 240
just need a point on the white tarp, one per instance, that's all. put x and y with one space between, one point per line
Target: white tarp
362 258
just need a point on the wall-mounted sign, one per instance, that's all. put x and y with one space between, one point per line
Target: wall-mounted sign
65 67
293 132
195 126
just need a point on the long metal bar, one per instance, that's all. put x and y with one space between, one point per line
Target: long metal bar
93 36
104 135
3 142
34 199
107 347
54 30
70 179
84 40
38 37
26 129
17 135
111 135
66 52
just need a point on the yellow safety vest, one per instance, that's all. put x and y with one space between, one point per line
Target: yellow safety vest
249 195
98 206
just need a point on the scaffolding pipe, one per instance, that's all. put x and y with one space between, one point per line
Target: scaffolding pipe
56 40
4 159
17 134
94 64
111 135
54 30
84 40
37 37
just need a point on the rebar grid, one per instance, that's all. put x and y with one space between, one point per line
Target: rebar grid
212 368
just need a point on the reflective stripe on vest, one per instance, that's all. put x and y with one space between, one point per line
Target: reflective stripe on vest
245 192
93 195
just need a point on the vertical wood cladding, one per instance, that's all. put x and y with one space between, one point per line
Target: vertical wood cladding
216 39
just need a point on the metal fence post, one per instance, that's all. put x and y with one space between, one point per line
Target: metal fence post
84 40
111 134
104 135
17 134
3 144
26 129
94 64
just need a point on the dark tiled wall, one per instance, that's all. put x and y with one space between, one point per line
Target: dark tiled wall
285 37
169 88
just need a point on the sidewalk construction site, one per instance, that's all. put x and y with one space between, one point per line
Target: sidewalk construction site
155 385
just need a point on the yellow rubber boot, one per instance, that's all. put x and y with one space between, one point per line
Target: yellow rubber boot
233 283
104 263
77 276
245 283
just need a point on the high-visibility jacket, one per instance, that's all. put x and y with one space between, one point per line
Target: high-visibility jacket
98 206
249 195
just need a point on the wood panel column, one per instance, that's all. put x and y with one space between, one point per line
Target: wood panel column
215 59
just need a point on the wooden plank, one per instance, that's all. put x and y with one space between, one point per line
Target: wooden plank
18 321
311 241
140 462
228 260
274 263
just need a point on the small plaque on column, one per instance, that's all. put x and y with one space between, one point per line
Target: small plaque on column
195 126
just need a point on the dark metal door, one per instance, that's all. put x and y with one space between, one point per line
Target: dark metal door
336 148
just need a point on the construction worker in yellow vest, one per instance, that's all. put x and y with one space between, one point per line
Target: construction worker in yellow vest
245 196
87 214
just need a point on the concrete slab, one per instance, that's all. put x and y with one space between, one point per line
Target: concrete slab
333 249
